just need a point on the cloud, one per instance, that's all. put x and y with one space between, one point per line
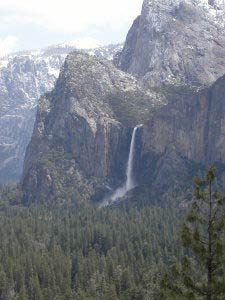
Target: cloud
70 16
7 44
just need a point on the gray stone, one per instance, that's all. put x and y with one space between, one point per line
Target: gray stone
88 117
24 77
176 41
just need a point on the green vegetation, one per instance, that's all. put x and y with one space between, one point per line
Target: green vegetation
176 92
82 252
67 181
201 274
77 251
131 108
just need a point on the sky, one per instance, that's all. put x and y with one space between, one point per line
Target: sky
35 24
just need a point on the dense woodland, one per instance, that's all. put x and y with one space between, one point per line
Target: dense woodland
83 252
143 251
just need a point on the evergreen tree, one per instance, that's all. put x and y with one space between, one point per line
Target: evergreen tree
22 293
202 272
85 253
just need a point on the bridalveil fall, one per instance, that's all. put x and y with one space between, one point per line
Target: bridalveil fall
130 180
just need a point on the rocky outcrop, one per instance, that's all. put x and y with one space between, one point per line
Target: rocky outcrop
176 41
24 77
83 129
183 138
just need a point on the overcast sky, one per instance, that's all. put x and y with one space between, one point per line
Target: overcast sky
31 24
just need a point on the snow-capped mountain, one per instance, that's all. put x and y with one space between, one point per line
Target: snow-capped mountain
215 9
24 77
180 41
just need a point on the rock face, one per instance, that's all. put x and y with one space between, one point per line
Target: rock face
24 77
83 130
175 40
82 134
183 137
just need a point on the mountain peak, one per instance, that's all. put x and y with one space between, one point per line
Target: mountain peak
216 4
213 9
176 40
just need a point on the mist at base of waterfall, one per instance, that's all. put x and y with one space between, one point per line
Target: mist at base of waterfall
130 181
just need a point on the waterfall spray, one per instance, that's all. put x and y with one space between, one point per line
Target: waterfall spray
130 181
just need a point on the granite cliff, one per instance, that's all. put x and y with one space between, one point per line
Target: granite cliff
24 77
182 138
83 129
176 41
175 52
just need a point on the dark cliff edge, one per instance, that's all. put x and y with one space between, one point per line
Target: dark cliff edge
180 140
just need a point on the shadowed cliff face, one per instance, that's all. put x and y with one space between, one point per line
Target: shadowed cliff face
83 129
181 41
182 138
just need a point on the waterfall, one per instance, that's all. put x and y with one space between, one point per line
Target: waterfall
130 181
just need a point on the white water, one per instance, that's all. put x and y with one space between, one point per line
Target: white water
130 181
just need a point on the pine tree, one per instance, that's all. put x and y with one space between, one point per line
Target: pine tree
3 285
22 293
202 272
